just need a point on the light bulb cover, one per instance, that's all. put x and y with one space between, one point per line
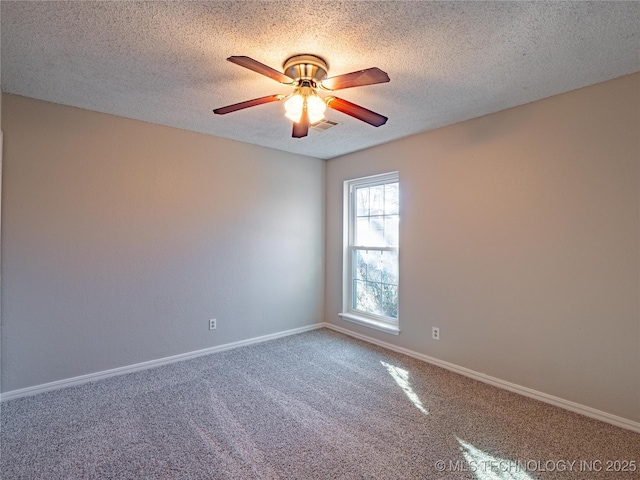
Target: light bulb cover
316 108
293 107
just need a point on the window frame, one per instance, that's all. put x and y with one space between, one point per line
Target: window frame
349 313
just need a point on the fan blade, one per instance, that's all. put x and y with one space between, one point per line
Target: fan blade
356 111
370 76
249 103
261 68
301 128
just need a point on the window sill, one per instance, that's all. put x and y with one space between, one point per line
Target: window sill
369 322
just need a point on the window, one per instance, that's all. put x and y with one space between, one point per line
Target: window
372 217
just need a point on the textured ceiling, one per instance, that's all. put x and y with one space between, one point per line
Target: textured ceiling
164 62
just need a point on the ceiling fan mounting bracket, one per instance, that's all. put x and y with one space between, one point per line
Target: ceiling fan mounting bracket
306 67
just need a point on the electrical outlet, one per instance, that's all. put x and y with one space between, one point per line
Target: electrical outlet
435 333
212 324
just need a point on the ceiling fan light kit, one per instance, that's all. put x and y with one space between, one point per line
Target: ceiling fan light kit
308 74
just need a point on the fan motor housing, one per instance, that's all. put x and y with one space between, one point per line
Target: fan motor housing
306 67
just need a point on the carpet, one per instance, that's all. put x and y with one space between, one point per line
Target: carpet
318 405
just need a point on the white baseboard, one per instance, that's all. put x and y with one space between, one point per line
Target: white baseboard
527 392
92 377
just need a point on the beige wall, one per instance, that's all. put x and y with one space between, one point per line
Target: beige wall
520 240
121 239
1 150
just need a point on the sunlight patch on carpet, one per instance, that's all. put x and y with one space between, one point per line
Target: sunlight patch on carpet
489 467
401 377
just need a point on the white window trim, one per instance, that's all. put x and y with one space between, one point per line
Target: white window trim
383 326
377 322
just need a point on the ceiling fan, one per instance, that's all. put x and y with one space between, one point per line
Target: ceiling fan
307 74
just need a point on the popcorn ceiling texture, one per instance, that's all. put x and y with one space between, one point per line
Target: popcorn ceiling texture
318 405
164 62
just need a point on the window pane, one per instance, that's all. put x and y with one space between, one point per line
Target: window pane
368 297
390 300
362 201
359 266
376 232
391 199
375 284
391 231
357 294
374 265
368 264
376 200
362 231
389 268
